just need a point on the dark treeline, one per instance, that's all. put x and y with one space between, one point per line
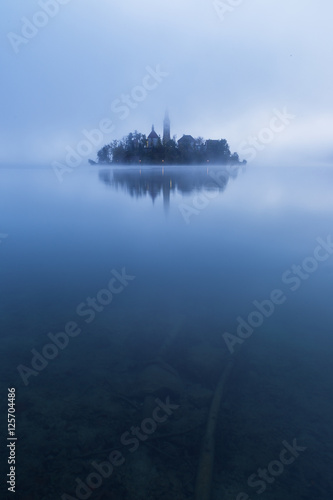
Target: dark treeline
136 148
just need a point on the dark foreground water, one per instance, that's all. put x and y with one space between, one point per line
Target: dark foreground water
124 296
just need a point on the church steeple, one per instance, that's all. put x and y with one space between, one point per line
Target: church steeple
166 127
152 141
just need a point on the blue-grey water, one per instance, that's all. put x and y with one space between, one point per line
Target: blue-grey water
124 289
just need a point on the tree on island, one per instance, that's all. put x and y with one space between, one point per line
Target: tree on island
136 149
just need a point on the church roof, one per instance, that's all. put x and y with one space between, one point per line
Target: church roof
186 138
152 134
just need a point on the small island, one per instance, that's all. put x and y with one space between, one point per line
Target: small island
137 148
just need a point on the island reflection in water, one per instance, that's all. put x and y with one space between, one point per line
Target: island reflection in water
153 181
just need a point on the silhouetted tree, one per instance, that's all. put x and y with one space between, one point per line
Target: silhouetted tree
104 155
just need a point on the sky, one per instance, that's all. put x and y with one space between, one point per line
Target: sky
255 72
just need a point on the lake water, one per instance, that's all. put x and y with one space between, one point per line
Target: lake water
125 290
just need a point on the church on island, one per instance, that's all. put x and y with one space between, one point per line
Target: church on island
137 148
153 138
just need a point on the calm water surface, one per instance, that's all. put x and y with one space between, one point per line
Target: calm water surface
151 272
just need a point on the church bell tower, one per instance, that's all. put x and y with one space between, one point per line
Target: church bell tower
166 128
